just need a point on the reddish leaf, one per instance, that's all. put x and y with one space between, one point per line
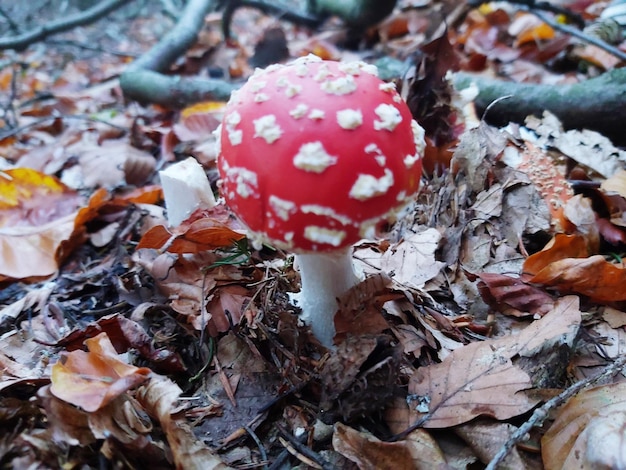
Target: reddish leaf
203 230
512 296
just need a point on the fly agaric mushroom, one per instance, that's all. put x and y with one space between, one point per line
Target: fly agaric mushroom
313 156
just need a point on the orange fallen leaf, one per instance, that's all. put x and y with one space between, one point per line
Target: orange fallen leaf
94 378
594 277
560 247
203 230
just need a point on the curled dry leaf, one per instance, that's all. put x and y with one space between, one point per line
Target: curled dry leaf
594 277
93 379
203 230
159 397
512 296
562 246
481 378
588 432
370 453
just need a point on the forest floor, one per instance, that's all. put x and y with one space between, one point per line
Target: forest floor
489 331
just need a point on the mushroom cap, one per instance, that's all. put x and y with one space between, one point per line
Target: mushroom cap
314 154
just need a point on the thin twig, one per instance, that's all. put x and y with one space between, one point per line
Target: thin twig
594 41
99 10
258 442
541 413
87 47
79 117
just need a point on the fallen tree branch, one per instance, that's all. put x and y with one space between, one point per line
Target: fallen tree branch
88 16
597 104
144 79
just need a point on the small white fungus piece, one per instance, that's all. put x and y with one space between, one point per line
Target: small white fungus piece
368 186
261 97
349 118
267 128
313 157
389 117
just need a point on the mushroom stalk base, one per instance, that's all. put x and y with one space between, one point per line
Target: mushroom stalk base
324 278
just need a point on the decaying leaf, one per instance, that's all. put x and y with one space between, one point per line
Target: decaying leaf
159 397
370 453
359 378
93 379
588 432
203 230
481 378
512 296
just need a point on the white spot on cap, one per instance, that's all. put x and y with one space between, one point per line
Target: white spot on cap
267 128
293 90
349 118
322 73
368 186
418 137
389 117
317 114
261 97
282 207
307 59
324 235
313 157
387 87
246 180
235 136
257 85
380 158
339 86
356 67
326 212
299 111
410 160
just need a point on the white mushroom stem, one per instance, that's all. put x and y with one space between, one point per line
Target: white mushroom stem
324 278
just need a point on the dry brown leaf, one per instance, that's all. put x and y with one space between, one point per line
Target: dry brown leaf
159 397
368 452
412 261
481 379
615 184
588 432
487 438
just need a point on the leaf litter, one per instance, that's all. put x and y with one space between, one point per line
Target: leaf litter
127 340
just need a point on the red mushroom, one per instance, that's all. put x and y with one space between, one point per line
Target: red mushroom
315 154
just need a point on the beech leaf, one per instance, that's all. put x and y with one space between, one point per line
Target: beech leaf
481 379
